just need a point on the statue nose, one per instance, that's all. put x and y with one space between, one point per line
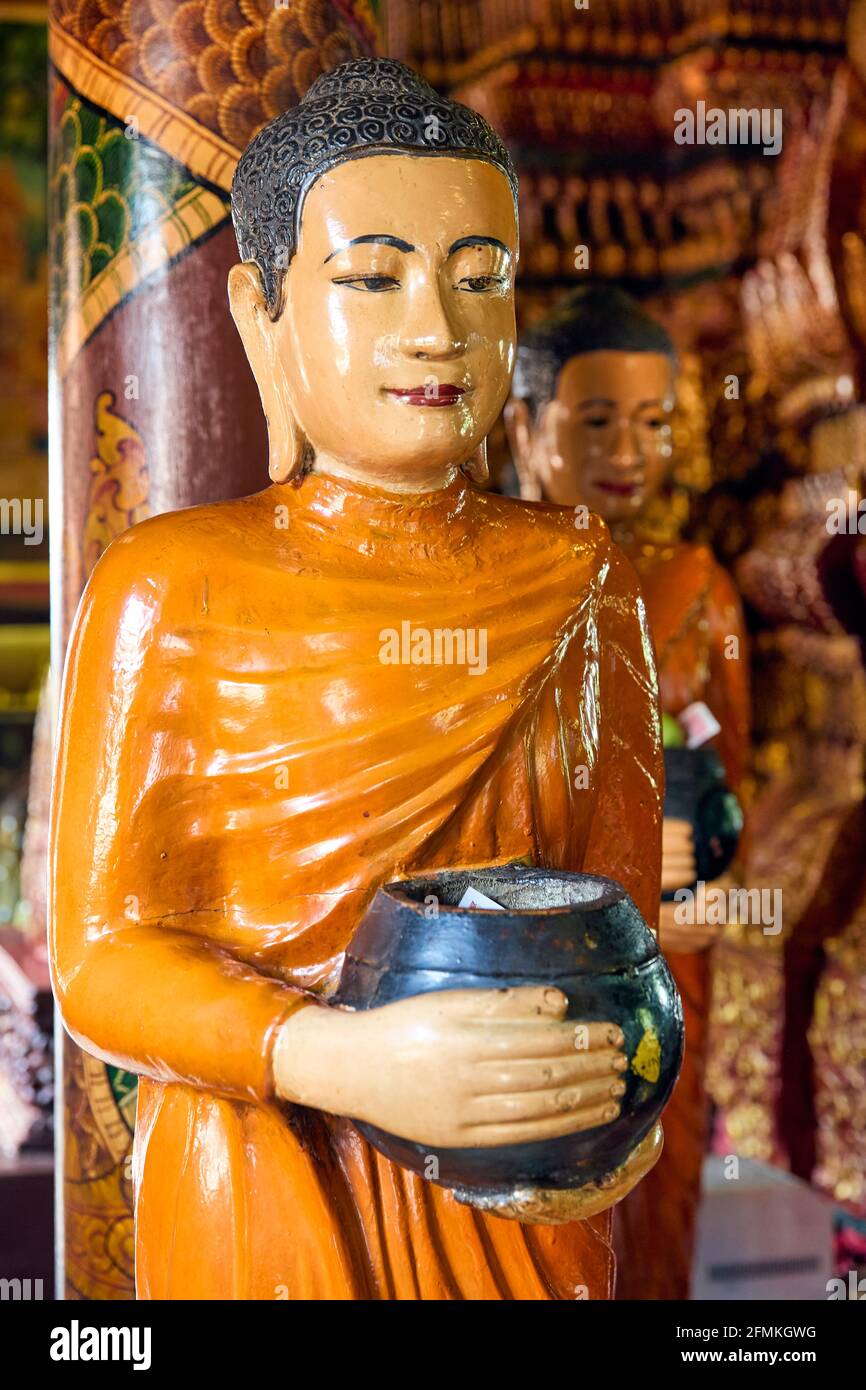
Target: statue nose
441 350
435 335
626 451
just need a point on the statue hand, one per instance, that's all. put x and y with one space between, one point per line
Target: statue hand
679 870
690 937
685 938
457 1069
679 866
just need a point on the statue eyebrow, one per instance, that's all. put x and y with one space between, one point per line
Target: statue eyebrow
380 238
479 241
596 401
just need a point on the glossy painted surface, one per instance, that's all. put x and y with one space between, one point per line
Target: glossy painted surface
697 791
693 610
399 298
605 439
239 771
240 767
576 932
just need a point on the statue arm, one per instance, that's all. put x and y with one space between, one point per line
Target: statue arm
625 835
729 675
168 1001
728 698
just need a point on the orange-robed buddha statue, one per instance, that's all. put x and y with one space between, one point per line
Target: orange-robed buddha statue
589 425
246 753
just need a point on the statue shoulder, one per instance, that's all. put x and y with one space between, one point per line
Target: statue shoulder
688 566
699 562
164 559
576 528
699 558
171 546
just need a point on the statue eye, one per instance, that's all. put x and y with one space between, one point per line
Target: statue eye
480 284
372 284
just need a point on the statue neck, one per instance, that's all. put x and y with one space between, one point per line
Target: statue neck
432 479
353 509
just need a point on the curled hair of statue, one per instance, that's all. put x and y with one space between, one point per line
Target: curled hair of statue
598 317
369 106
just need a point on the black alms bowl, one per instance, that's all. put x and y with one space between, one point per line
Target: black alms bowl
696 791
578 932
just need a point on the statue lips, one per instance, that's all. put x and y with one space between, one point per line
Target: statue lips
444 394
618 489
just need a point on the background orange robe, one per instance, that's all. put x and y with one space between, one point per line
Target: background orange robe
238 771
693 608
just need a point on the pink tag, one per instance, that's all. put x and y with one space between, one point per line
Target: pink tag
699 724
472 898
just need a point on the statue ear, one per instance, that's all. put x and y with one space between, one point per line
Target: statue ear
294 459
518 427
477 467
261 339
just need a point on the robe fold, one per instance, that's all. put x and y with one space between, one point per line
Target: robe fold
247 751
693 611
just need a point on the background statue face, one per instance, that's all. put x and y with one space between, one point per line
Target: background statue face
395 346
605 439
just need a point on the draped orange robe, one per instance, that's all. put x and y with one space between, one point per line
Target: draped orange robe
237 772
693 609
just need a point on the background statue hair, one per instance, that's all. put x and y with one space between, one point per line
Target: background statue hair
594 318
365 107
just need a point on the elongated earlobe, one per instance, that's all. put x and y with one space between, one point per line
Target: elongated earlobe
477 467
530 488
290 453
295 456
519 431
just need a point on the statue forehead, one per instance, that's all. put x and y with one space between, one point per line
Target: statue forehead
617 374
424 194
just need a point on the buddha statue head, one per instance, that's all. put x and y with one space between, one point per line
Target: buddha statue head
589 421
377 226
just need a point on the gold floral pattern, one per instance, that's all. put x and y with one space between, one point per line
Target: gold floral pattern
231 64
